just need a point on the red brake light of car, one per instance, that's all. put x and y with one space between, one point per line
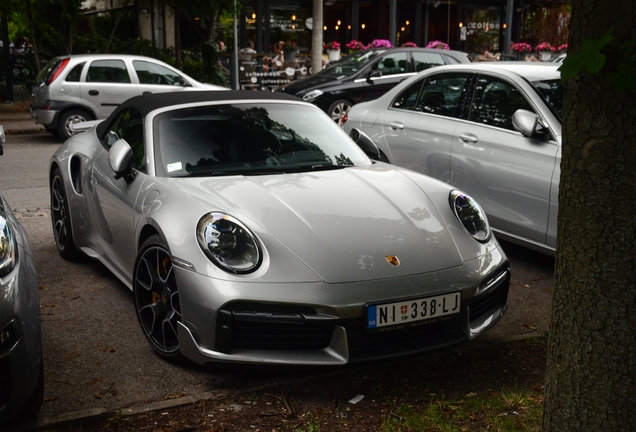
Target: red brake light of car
343 120
57 71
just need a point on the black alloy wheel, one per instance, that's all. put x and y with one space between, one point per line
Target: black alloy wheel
157 298
60 219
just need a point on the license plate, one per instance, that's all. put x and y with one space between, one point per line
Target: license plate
410 311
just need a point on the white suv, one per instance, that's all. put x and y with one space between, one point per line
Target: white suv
77 88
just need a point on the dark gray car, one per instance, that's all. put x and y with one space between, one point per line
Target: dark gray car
367 75
21 367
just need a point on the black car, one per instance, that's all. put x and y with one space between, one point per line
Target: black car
367 75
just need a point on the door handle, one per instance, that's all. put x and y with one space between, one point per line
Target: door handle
146 92
396 125
468 137
93 92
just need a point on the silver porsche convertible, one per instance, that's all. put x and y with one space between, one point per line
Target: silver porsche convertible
252 229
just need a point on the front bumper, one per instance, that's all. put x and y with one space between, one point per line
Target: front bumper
323 324
21 352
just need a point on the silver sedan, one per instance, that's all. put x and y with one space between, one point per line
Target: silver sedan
252 229
492 130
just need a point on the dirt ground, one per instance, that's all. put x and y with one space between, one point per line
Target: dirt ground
355 398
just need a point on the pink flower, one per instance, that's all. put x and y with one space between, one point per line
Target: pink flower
379 43
544 47
521 47
333 45
409 44
438 45
355 45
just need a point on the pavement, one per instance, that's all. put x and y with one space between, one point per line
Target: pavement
15 116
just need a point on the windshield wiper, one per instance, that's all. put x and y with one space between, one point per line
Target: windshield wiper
324 167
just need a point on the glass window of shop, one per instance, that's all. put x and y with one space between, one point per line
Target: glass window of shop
288 24
480 28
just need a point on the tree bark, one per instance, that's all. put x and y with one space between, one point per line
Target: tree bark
591 369
32 35
316 37
177 37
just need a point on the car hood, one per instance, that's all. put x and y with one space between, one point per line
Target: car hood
310 83
342 224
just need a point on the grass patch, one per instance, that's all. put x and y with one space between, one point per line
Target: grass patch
507 411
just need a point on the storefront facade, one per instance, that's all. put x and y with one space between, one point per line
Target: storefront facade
466 25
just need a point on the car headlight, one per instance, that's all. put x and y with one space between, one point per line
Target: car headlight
7 247
309 96
228 243
470 215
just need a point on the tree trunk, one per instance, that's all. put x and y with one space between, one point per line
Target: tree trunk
316 37
177 37
591 369
113 30
32 35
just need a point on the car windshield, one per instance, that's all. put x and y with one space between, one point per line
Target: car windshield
551 91
351 64
250 139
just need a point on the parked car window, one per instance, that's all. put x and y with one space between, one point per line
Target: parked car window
351 64
451 60
128 126
427 60
75 74
407 99
391 64
496 101
150 73
108 71
443 94
551 92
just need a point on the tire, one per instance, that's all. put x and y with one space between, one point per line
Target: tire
338 109
157 298
69 117
60 219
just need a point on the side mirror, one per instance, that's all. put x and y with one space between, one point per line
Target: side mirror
525 122
367 145
374 74
120 157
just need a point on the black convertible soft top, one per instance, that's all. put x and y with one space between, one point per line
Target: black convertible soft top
150 102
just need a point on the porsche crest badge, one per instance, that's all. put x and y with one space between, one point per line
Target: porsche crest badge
393 260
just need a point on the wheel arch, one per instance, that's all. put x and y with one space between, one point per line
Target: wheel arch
75 106
148 231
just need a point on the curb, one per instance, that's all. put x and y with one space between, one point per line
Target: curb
71 420
10 132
